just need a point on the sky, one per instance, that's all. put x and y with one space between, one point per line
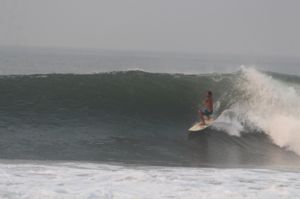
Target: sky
248 27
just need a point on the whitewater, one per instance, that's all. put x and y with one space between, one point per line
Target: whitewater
87 125
267 105
90 180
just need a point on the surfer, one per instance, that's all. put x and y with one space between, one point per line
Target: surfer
207 111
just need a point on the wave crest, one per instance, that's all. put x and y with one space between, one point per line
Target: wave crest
269 105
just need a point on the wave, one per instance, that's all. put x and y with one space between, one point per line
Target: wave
135 116
268 105
133 93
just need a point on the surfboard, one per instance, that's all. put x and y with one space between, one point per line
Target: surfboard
198 127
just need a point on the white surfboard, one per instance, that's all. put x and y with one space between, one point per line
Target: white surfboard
198 127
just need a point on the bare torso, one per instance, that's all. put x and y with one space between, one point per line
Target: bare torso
209 104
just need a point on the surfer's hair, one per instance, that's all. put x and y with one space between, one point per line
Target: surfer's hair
209 93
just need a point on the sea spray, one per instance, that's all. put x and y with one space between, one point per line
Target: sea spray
267 105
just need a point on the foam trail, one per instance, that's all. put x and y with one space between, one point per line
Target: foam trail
268 105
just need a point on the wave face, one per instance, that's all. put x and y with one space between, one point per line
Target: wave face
139 117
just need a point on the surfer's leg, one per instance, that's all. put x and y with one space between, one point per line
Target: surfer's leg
201 114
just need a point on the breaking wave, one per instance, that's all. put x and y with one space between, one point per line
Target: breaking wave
136 116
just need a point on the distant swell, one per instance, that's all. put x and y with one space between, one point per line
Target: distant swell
142 117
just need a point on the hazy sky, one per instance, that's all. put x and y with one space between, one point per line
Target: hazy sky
270 27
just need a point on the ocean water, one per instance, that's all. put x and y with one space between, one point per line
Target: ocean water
107 124
93 180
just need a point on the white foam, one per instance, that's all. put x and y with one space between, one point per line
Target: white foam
91 180
229 122
269 105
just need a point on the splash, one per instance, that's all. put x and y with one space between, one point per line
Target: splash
269 105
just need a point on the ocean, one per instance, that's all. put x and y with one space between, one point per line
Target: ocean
83 123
